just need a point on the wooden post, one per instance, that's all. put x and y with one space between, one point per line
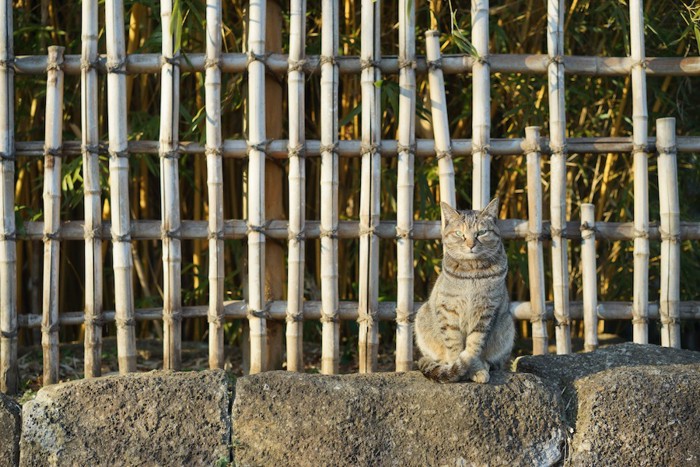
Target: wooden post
588 266
441 128
535 255
330 346
90 122
119 185
214 153
481 106
52 210
170 192
404 185
256 187
640 300
9 372
370 186
297 183
557 125
669 210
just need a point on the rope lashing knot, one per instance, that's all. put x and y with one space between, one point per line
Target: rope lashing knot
669 150
250 228
297 151
212 63
669 320
640 234
264 314
558 149
9 334
328 59
480 148
329 148
294 317
125 238
170 234
91 234
216 319
530 147
53 152
215 235
409 148
588 231
405 63
7 156
54 66
8 64
171 316
367 318
88 65
556 233
329 233
557 59
535 236
125 322
403 234
297 65
298 237
441 153
640 320
173 61
90 149
261 146
8 236
482 60
49 236
562 322
94 320
640 63
637 148
434 65
367 231
329 317
404 319
124 153
116 66
173 154
253 57
49 329
370 148
366 63
213 151
666 236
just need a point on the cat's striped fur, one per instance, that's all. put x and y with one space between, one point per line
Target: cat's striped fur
465 328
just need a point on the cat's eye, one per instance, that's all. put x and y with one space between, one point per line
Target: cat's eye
459 233
481 232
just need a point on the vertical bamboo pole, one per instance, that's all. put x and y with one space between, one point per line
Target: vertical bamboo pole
669 210
256 186
557 124
640 300
297 177
404 185
214 145
441 128
119 185
330 347
170 194
93 191
588 266
535 255
370 185
481 106
52 210
9 373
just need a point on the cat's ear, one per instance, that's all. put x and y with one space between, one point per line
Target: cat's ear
449 214
491 209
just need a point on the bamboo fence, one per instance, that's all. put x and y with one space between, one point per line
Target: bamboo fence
370 148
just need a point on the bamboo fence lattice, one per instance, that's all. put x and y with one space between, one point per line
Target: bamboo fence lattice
328 67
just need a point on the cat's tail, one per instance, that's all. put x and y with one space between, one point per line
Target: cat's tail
454 371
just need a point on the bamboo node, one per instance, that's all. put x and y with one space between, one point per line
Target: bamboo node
328 59
213 151
440 153
670 150
54 152
8 236
171 154
669 237
298 237
216 235
264 314
212 63
294 318
366 63
558 149
173 61
9 334
329 148
124 153
116 66
406 63
297 65
49 329
217 320
434 65
253 57
641 234
370 148
409 148
172 233
329 233
403 234
50 236
329 318
297 151
124 322
535 236
88 65
480 148
261 146
250 228
530 147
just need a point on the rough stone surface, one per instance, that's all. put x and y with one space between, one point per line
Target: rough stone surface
10 426
631 404
157 418
282 418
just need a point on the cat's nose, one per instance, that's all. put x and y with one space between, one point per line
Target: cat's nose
470 242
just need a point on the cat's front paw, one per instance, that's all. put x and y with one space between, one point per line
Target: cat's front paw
481 376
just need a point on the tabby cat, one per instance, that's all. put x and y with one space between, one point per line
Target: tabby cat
465 328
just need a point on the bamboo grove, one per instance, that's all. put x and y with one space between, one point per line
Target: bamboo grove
289 82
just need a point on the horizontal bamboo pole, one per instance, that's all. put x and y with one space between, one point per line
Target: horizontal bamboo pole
278 149
277 229
347 311
451 64
588 265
